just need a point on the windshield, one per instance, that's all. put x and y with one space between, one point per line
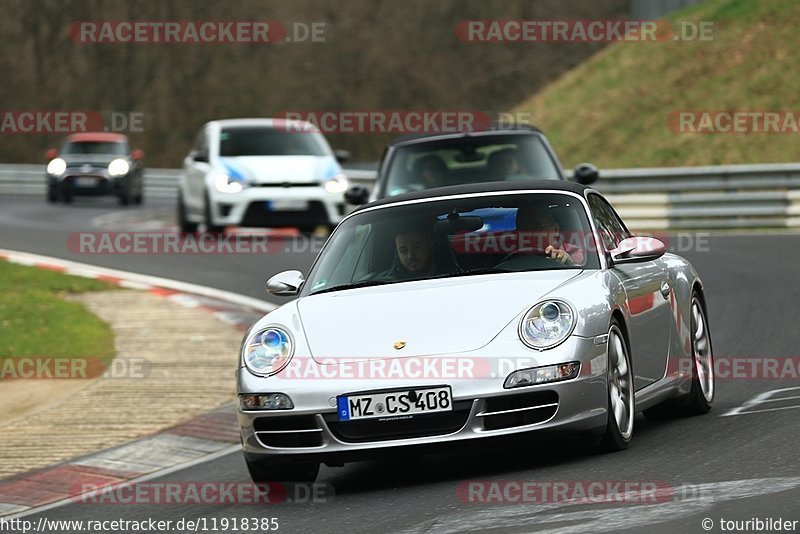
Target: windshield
456 237
94 147
261 141
465 160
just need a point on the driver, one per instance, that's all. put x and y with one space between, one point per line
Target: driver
539 220
504 165
432 170
413 256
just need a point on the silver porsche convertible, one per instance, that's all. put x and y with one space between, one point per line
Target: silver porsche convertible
469 314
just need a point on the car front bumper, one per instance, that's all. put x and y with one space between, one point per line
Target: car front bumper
295 205
482 409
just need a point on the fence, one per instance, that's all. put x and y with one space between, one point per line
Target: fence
722 197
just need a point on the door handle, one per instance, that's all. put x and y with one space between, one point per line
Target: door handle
665 290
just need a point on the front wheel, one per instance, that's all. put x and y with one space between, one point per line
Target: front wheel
186 226
621 404
263 472
211 228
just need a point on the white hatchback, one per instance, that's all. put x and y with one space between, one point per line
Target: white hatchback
261 173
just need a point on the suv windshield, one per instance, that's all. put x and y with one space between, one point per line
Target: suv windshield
261 141
94 147
466 160
498 233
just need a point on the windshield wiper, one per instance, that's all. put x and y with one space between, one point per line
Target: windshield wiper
354 285
470 272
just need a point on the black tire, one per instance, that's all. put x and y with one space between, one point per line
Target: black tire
262 472
52 195
694 402
139 198
186 226
210 228
67 198
614 438
124 197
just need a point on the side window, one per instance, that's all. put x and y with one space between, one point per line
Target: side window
611 228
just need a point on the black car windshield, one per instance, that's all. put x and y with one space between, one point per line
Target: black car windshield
496 233
465 160
95 147
262 141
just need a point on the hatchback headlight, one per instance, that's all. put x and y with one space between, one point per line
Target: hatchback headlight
118 167
267 351
225 184
547 324
56 167
337 184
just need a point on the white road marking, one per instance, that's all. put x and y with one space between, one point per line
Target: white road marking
761 398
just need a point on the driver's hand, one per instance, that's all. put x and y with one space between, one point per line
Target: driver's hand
559 255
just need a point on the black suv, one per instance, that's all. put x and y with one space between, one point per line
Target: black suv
413 163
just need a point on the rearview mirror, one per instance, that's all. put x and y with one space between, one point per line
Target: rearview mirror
356 195
285 284
51 154
636 249
586 174
197 155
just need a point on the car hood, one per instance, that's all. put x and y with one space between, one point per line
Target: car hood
92 159
432 317
281 169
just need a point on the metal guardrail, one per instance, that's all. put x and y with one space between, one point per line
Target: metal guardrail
733 196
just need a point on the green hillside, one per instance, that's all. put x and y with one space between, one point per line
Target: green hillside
613 109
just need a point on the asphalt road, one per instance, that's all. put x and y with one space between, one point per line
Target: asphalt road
737 467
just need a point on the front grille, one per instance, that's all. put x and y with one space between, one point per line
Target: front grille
519 410
287 184
257 214
288 431
417 427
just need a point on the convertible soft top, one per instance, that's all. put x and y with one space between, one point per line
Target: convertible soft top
483 187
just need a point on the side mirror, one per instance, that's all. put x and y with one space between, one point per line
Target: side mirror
586 174
51 154
197 155
341 155
357 195
137 154
285 284
637 249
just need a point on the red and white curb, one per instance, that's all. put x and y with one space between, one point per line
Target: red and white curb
196 441
232 308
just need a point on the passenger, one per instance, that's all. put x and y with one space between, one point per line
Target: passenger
504 165
432 170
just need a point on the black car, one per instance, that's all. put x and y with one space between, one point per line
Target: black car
502 153
95 164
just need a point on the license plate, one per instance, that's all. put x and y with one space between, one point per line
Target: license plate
395 403
86 182
287 205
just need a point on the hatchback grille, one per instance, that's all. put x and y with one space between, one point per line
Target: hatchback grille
519 410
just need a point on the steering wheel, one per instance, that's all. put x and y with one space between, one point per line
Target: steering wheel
529 251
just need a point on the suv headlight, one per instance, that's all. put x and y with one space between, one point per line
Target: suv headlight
118 167
56 167
267 351
337 184
547 324
225 184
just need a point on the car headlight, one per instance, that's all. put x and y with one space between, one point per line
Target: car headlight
267 351
542 375
547 324
337 184
56 167
225 184
118 167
